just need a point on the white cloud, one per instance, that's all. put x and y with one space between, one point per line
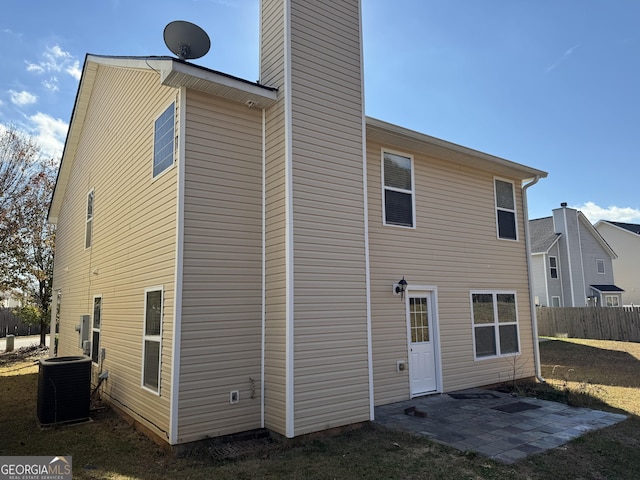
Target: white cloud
74 70
51 84
55 60
615 214
22 98
564 56
57 52
32 67
50 133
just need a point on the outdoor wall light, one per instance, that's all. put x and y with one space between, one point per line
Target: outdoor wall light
400 288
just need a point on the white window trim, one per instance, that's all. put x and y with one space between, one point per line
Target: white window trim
157 338
606 300
600 261
88 222
175 140
94 329
514 211
559 301
551 268
496 324
384 188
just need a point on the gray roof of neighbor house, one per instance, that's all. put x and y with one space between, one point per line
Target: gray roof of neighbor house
607 288
632 227
542 235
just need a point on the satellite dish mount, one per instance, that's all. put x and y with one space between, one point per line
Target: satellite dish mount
186 40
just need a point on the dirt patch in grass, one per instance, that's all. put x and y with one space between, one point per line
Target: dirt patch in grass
22 355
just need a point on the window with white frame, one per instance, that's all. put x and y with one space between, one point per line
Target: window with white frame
555 301
553 267
495 324
600 265
505 209
88 231
399 195
611 301
153 304
95 330
163 141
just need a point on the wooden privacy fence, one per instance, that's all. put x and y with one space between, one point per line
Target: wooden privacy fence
11 325
598 323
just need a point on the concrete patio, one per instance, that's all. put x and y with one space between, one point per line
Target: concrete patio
494 424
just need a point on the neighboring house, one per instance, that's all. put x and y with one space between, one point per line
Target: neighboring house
624 238
232 252
10 299
571 263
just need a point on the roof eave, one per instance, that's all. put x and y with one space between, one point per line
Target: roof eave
613 225
599 238
78 114
180 74
406 138
173 73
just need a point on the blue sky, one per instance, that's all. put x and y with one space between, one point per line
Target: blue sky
550 84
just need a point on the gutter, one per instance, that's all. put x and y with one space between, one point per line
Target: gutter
534 319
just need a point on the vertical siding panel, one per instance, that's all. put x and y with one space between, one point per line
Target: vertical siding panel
331 382
133 237
275 264
321 68
222 276
272 73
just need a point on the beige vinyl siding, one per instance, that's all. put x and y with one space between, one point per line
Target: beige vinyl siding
222 270
272 73
331 384
453 247
133 237
275 276
272 43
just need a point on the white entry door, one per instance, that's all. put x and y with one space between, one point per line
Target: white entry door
422 358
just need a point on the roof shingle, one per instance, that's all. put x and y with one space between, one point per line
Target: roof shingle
542 234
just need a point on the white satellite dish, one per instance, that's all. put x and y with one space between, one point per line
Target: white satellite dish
186 40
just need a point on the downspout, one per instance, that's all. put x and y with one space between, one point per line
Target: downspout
534 319
263 265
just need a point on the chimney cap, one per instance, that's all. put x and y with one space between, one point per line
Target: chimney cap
563 204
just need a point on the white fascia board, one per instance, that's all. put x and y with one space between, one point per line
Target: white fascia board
169 71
